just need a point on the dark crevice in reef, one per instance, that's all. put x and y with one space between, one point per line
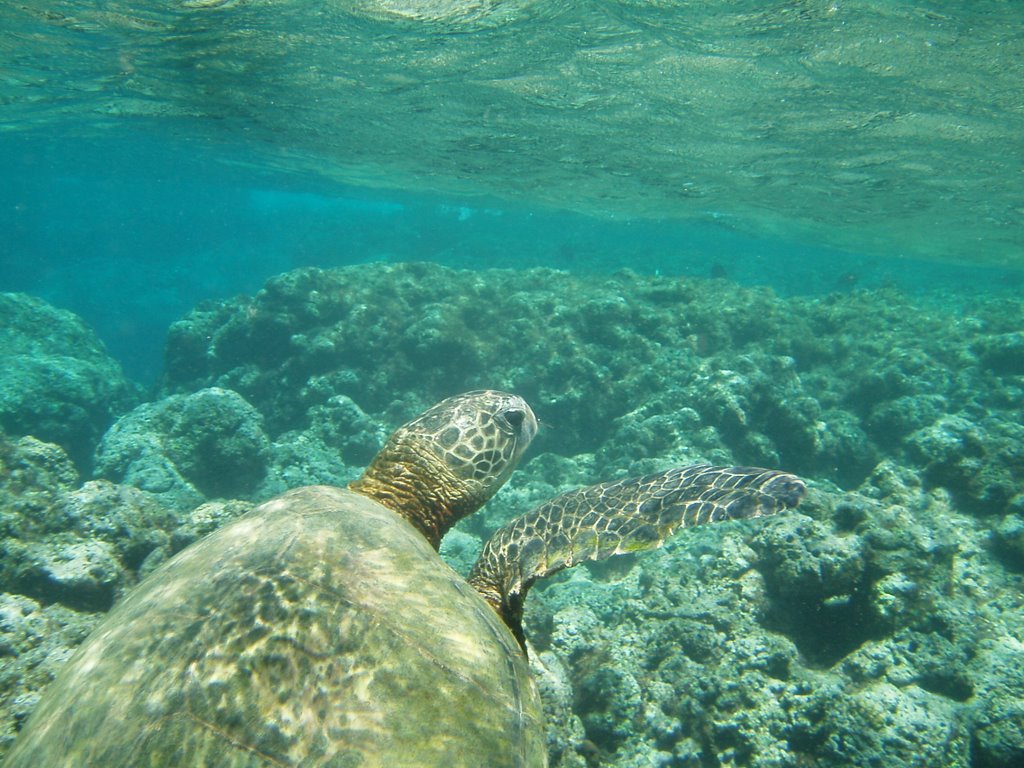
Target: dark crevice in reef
825 631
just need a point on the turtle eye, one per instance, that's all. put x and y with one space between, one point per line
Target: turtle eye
515 418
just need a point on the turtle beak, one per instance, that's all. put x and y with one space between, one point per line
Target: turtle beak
530 428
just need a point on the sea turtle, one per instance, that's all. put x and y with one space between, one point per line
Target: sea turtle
323 629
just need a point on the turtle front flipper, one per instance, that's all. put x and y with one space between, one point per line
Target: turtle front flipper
630 515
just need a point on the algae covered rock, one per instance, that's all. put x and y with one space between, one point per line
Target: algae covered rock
186 448
393 338
880 626
566 736
979 459
35 641
81 573
67 551
827 387
63 543
1002 352
667 660
1009 533
998 722
999 736
132 522
339 441
204 519
815 580
883 725
846 636
57 382
33 476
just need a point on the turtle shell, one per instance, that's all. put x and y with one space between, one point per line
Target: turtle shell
321 629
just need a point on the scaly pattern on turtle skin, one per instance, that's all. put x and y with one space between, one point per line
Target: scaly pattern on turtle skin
448 461
613 518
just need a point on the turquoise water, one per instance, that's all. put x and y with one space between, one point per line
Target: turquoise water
889 128
132 231
787 142
243 240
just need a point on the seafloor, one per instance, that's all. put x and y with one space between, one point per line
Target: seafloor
880 625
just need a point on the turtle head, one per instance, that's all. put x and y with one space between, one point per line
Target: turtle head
449 460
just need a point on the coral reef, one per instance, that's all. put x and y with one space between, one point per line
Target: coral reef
825 387
35 641
877 626
847 636
187 448
57 382
66 552
76 545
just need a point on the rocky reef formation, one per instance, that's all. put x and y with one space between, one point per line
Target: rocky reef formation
634 367
57 382
877 626
212 444
186 448
845 635
68 551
